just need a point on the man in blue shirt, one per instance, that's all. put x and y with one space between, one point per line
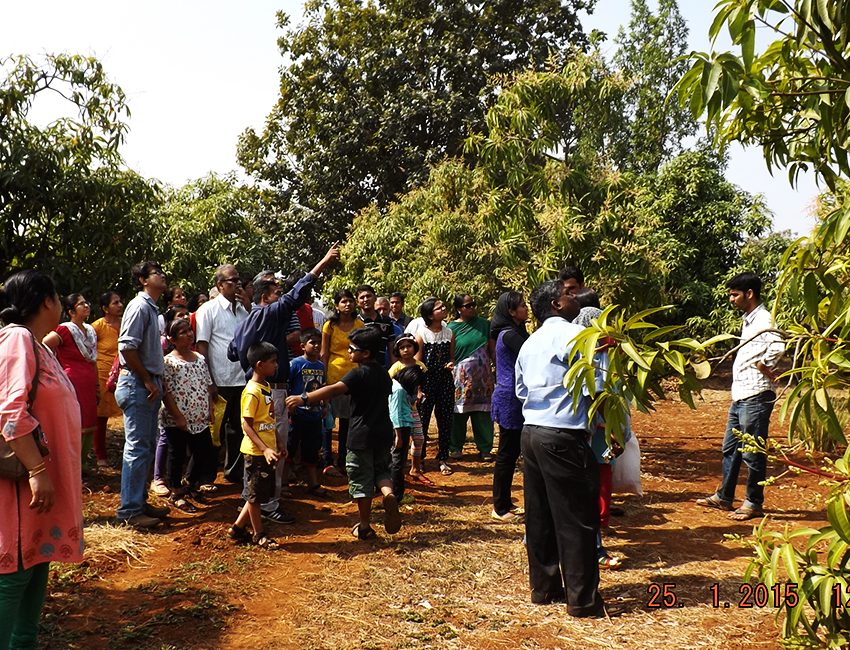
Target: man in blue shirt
139 393
561 474
269 321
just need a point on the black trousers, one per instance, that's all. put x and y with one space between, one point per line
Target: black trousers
231 433
561 518
399 460
199 445
504 468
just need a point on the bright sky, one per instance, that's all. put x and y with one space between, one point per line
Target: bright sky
197 74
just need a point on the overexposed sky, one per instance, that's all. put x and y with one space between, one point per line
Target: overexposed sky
196 74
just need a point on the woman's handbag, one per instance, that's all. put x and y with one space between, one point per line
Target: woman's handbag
10 466
114 372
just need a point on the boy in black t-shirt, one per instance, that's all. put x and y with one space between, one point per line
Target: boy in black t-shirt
370 434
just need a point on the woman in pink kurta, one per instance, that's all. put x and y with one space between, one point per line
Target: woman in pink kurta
42 515
75 344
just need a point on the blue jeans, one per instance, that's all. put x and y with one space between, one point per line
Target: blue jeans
750 415
141 429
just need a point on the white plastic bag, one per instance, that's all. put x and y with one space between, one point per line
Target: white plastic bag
627 469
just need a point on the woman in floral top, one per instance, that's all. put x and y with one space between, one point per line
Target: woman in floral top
186 413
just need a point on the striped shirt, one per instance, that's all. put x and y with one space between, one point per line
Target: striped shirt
747 379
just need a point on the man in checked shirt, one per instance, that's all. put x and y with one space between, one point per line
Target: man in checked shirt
753 395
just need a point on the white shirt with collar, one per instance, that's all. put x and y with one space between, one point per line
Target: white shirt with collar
747 379
216 321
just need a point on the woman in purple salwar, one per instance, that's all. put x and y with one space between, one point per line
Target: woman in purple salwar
507 327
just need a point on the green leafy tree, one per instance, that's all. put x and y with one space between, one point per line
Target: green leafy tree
649 56
374 93
63 192
791 101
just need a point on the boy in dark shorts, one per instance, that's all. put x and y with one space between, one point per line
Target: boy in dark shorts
261 447
370 434
307 374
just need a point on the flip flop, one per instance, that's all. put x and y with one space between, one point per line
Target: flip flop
714 502
266 542
422 479
369 533
744 512
392 519
445 470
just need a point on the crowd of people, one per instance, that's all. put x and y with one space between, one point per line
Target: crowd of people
254 377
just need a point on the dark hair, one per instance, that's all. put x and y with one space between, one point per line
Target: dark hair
194 300
586 297
171 326
426 309
142 271
542 296
171 315
513 300
106 299
367 339
262 288
744 282
22 295
405 338
262 351
246 282
339 295
364 287
168 294
459 300
410 377
397 294
310 333
571 272
295 278
69 303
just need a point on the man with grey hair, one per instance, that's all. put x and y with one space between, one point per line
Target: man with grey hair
216 322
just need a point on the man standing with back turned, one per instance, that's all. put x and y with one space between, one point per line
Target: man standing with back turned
753 396
561 473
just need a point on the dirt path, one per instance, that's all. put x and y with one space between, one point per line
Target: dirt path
453 578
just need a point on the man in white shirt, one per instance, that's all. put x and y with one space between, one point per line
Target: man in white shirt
216 322
753 396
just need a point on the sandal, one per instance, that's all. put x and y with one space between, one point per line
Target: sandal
608 562
208 488
362 534
318 491
422 479
238 534
332 471
182 504
714 502
745 512
445 470
263 541
392 520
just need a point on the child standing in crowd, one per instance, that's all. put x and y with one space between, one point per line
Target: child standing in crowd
187 410
405 349
408 427
337 362
306 374
260 448
371 433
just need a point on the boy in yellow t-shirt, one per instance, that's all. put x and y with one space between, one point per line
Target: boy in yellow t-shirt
260 448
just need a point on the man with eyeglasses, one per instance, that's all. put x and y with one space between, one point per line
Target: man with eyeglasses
216 322
139 394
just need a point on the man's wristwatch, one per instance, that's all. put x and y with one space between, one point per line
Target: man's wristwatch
304 396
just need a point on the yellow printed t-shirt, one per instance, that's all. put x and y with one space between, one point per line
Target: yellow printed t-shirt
257 403
398 365
339 363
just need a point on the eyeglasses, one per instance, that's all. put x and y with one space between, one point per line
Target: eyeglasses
468 305
236 279
85 303
354 348
156 272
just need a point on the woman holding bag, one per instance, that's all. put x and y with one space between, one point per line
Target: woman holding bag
42 512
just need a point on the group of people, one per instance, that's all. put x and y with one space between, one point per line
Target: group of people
277 377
